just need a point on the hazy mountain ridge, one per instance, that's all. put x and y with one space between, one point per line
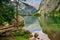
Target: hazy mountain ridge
29 9
34 4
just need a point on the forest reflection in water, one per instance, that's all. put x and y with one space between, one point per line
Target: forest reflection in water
51 26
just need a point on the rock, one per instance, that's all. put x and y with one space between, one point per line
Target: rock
48 5
10 28
20 20
17 21
38 35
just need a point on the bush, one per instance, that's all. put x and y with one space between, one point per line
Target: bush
22 33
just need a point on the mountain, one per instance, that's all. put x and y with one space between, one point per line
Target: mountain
49 22
34 4
48 5
28 9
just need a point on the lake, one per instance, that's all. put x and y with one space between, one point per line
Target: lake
31 24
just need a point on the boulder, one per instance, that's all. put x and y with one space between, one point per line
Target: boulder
13 26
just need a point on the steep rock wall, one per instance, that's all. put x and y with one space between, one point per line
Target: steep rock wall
46 7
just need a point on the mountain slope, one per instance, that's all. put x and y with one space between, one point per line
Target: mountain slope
29 9
50 18
48 5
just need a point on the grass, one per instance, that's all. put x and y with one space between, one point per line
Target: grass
21 35
20 38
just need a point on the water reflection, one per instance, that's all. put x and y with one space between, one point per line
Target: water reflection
51 26
31 24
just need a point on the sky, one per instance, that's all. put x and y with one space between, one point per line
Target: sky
37 1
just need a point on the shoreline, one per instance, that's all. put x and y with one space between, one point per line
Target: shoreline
41 35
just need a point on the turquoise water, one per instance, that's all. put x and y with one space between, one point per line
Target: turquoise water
31 24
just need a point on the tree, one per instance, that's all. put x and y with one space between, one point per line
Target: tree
6 11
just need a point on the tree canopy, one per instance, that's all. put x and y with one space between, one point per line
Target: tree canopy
6 11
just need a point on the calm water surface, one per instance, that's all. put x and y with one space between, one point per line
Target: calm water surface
31 24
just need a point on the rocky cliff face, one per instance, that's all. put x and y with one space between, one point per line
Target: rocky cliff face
48 5
50 23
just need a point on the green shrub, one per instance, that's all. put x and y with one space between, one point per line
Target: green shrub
22 33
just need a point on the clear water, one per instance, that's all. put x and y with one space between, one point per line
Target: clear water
31 24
